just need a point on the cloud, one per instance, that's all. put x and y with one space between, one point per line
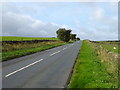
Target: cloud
24 25
108 23
99 13
100 16
17 20
94 21
99 26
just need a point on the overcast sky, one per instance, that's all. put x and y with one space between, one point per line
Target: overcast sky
94 21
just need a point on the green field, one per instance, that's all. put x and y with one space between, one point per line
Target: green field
89 72
108 42
15 38
14 50
26 51
111 46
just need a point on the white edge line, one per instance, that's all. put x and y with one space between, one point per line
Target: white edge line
23 68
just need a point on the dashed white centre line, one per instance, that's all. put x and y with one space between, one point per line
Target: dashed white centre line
64 48
54 53
32 63
22 68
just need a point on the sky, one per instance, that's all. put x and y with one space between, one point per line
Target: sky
89 20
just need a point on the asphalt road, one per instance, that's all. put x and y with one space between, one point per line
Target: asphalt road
46 69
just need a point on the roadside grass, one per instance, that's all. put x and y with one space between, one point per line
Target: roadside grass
14 50
17 46
15 38
10 51
26 51
90 72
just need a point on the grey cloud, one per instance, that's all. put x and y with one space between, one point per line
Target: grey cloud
105 31
21 25
16 24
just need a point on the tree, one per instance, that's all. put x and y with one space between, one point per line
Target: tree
63 34
72 36
78 38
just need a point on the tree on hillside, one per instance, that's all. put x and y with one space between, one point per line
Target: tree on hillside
78 38
63 34
72 36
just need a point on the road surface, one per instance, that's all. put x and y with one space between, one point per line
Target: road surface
46 69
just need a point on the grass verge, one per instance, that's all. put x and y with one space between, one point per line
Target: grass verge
89 72
22 52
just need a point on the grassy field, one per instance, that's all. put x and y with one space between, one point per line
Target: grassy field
108 42
25 45
26 51
111 46
89 72
14 50
15 38
10 51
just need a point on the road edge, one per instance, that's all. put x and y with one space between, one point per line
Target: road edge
71 72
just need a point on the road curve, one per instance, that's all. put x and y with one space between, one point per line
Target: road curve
46 69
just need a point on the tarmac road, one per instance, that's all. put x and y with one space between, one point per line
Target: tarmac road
46 69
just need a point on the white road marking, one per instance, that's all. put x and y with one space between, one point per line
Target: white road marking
64 48
22 68
54 53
